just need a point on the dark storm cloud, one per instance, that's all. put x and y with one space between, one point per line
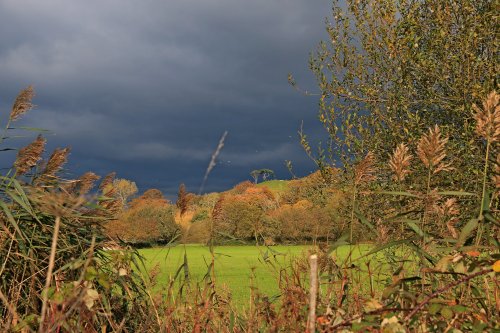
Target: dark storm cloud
147 87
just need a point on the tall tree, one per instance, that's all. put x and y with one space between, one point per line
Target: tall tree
124 189
255 175
266 173
391 69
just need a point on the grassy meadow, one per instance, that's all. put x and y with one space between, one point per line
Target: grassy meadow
237 267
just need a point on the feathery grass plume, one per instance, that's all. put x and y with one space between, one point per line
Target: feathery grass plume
22 104
56 203
431 150
56 161
86 182
112 206
364 171
399 162
29 156
107 180
488 118
106 185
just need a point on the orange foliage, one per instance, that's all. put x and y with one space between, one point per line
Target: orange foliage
149 218
241 212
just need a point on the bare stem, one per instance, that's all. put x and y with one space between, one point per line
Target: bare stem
483 196
429 173
50 269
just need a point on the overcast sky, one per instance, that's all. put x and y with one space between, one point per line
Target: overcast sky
147 87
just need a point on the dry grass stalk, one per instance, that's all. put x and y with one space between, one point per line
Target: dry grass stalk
364 171
55 163
431 150
86 182
55 203
107 181
29 156
50 268
22 104
399 162
488 118
113 206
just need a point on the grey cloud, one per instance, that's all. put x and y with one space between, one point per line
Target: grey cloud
147 87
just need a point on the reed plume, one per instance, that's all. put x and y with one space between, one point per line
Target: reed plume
86 182
364 171
22 104
29 156
488 128
488 118
399 162
107 182
431 150
54 202
56 161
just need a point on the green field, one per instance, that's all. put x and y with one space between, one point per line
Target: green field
275 185
234 265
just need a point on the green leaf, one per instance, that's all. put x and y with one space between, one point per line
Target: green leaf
339 242
34 129
490 218
457 193
365 221
447 312
12 221
467 231
24 204
389 291
421 252
434 308
399 193
485 206
415 227
387 245
459 308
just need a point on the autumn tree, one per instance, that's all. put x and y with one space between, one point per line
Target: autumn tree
149 218
241 213
265 173
124 189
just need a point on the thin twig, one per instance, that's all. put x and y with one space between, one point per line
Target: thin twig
442 290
